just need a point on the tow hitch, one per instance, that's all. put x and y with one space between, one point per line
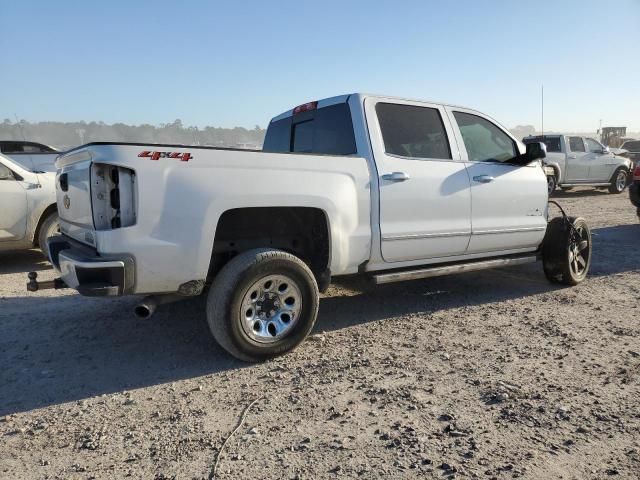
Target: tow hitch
33 285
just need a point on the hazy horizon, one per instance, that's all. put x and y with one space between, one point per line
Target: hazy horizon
240 64
64 135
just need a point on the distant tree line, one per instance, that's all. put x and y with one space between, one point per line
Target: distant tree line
64 135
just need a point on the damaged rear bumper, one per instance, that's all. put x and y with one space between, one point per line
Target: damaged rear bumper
84 270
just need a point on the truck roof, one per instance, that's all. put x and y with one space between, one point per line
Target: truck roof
325 102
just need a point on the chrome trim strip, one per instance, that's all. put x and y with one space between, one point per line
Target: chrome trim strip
508 230
418 236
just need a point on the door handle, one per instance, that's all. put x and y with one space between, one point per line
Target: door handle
395 177
573 156
483 179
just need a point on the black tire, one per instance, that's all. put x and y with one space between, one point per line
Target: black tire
563 254
634 194
552 183
225 303
617 185
48 228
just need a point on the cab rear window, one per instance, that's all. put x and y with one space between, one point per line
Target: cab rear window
327 130
552 143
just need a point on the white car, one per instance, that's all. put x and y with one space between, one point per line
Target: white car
28 211
389 188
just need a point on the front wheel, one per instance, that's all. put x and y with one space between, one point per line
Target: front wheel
619 181
566 250
552 183
48 228
262 304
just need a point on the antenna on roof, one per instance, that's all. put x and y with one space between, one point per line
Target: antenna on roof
20 127
542 115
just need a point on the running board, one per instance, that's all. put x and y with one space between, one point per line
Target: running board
584 184
438 271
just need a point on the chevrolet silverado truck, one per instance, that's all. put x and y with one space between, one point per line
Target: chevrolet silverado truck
388 188
28 211
580 161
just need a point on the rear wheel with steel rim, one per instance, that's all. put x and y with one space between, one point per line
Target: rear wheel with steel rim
619 181
271 308
262 304
566 251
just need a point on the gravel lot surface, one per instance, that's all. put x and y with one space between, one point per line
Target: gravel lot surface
495 374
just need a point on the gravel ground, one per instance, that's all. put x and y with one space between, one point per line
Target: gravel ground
495 374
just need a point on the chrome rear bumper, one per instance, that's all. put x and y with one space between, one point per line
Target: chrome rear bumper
84 270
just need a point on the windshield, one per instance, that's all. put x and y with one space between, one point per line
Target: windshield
15 166
552 142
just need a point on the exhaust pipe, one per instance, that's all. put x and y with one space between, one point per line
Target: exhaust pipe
148 305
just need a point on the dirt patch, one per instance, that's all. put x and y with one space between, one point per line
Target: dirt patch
495 374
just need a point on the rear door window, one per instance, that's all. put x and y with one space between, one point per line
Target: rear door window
326 130
412 131
576 144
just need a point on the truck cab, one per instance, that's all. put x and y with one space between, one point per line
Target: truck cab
456 167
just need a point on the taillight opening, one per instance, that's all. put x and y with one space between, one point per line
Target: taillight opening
112 196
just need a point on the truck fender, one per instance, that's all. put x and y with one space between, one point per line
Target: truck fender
557 169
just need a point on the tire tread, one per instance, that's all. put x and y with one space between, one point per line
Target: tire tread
222 292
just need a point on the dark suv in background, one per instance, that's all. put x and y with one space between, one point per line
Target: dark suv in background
634 188
633 150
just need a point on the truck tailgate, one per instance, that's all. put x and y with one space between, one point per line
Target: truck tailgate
73 196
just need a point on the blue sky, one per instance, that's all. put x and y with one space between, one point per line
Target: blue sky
238 63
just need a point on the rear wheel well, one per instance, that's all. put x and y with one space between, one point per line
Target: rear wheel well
301 231
47 211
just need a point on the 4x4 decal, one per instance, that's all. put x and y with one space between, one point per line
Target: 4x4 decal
182 156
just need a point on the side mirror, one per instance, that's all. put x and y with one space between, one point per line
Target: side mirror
5 173
535 151
605 150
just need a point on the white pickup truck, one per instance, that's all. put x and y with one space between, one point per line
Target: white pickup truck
581 161
389 188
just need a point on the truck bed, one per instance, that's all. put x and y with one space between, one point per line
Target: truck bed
178 202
